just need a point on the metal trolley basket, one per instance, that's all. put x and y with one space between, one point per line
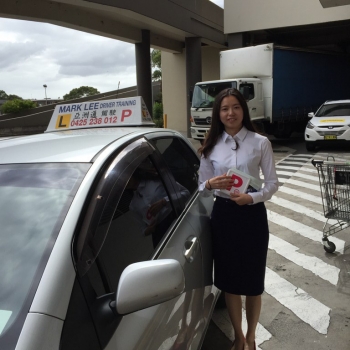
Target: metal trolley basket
335 191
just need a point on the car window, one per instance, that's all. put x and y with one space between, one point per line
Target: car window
250 87
34 200
133 208
181 161
336 110
142 216
204 94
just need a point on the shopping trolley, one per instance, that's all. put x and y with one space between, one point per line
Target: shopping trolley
335 191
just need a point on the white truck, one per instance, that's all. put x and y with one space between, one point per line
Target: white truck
281 85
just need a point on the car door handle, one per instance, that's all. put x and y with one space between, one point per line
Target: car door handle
191 248
253 109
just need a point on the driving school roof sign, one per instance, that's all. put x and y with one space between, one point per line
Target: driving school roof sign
119 112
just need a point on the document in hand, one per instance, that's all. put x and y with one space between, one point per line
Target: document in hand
243 182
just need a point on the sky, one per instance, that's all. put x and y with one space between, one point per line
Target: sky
33 54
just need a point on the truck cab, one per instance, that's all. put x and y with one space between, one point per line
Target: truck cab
204 94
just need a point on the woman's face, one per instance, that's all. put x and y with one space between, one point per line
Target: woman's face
231 114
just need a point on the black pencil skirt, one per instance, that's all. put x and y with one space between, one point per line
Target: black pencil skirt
240 240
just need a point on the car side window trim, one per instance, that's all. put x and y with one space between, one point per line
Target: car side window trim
88 243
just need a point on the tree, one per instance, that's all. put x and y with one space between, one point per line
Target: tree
158 114
156 59
17 105
14 97
83 91
3 95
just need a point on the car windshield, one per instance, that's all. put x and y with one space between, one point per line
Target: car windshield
204 94
334 110
34 200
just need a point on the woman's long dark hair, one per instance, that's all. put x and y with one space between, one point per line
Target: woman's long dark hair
217 127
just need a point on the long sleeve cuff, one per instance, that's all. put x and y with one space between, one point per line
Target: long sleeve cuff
203 190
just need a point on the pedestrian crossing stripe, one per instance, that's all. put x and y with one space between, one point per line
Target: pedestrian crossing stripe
302 304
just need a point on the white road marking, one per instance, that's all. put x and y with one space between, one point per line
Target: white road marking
317 266
308 170
306 155
303 230
285 161
222 319
304 176
303 184
298 301
300 194
298 208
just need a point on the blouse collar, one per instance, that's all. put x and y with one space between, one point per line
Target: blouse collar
240 135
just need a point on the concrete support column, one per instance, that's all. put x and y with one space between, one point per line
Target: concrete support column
143 69
237 40
193 71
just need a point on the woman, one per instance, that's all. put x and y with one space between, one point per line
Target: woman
239 221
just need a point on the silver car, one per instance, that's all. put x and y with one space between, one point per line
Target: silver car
104 241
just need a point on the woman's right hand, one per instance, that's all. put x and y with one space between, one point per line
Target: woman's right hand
221 182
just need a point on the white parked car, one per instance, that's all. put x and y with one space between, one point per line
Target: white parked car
329 125
104 240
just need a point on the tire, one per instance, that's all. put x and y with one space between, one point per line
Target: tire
310 147
330 248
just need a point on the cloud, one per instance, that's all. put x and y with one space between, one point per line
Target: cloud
102 58
13 54
33 54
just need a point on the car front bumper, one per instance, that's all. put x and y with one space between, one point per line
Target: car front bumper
327 137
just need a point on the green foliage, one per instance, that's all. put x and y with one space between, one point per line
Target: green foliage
83 91
156 75
156 60
158 114
158 97
14 97
17 105
3 95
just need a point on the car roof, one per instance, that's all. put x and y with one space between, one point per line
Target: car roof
336 102
80 145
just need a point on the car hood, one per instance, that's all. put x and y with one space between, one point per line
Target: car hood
331 121
64 146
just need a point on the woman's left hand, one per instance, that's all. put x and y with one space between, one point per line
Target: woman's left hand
241 198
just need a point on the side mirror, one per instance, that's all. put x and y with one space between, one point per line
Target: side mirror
311 115
148 283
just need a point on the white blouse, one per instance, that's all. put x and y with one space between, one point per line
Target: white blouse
247 151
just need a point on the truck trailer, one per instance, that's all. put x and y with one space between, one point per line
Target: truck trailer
281 85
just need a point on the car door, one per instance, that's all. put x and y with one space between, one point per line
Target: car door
183 163
119 229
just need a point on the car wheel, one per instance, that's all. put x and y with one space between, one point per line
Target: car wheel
310 147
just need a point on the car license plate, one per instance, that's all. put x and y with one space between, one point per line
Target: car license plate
330 137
